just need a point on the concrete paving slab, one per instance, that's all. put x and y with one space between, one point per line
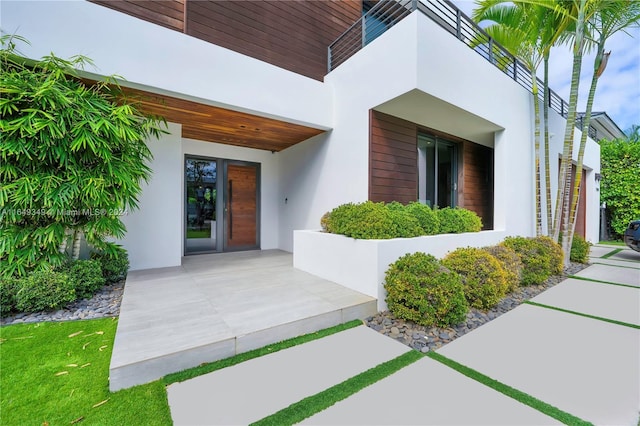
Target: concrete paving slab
599 251
429 393
598 299
613 274
215 306
259 387
614 262
627 255
586 367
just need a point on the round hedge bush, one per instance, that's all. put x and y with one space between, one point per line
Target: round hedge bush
483 276
535 256
580 249
43 290
8 291
421 290
554 252
87 277
371 220
510 262
427 218
114 266
457 220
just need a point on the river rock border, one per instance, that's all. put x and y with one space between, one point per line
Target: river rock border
426 339
105 303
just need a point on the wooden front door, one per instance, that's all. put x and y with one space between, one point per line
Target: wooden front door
241 212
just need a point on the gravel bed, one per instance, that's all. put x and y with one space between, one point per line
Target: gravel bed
426 339
105 303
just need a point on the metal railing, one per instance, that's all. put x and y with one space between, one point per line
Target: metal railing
386 13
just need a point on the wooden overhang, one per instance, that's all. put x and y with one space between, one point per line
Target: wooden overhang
215 124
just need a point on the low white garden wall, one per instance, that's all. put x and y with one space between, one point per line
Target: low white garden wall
361 264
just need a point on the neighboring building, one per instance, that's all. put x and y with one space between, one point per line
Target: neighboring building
280 111
601 126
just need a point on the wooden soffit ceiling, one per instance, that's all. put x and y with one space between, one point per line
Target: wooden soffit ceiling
215 124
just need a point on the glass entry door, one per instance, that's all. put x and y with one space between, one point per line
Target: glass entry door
201 198
438 170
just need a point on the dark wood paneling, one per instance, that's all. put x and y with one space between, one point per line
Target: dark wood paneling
290 34
393 159
168 13
475 189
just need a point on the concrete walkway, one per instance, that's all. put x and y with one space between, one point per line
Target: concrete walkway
215 306
587 367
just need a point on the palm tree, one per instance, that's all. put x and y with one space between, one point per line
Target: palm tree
528 31
610 18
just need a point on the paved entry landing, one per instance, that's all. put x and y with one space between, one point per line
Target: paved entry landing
215 306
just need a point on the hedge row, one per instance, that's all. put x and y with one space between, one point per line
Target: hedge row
49 289
430 292
381 221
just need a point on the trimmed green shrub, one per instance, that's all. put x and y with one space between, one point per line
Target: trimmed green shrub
457 220
395 206
44 290
86 276
554 252
371 220
510 262
483 277
580 249
324 222
421 290
8 290
427 218
114 266
534 256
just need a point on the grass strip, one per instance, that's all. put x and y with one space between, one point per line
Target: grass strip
190 373
602 282
618 266
611 253
612 243
626 324
313 404
507 390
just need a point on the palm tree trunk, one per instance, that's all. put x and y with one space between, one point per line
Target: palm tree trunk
564 184
62 248
77 237
547 173
536 144
583 140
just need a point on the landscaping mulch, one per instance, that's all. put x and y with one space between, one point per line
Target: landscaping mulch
427 339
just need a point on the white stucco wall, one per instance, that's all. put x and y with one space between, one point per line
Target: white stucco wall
154 232
159 59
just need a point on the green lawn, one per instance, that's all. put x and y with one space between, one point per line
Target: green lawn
58 374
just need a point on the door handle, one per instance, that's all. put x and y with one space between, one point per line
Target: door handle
230 209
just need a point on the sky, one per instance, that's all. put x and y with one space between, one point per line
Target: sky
618 90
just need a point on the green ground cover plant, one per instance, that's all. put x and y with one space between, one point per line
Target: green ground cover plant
421 290
58 373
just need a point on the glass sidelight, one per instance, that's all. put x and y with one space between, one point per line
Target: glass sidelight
201 199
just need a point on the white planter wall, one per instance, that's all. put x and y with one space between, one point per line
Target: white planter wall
361 264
